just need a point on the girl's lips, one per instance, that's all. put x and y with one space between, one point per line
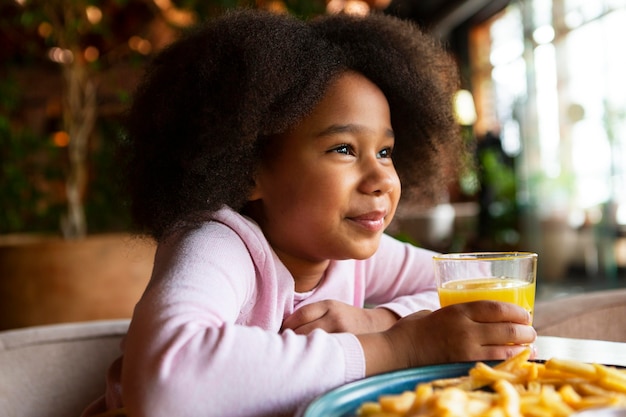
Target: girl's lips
373 221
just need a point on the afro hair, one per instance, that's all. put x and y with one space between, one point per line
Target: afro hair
208 101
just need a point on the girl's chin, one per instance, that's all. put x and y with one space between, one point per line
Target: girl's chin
366 250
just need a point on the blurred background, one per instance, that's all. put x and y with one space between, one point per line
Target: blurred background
542 108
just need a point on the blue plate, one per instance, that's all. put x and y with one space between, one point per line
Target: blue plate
345 400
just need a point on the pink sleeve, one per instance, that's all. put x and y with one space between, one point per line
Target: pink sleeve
402 273
186 356
232 370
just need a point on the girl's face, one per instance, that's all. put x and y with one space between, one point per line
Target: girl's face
327 189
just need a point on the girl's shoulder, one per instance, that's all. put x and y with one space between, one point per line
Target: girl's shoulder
219 227
224 233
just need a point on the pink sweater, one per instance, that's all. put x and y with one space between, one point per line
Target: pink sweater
205 338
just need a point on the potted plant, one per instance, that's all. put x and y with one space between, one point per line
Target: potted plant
66 63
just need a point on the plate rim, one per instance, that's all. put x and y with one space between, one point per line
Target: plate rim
342 397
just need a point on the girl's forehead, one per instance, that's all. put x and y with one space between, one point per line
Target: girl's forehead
340 93
352 105
347 95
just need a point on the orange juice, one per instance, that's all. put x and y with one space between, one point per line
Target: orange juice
509 290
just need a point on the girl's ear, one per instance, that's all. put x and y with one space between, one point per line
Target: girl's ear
255 190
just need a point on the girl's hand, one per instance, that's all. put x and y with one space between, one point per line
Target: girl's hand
481 330
335 317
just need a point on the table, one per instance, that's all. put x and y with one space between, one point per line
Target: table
593 351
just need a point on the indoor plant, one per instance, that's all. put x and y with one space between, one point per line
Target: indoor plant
66 59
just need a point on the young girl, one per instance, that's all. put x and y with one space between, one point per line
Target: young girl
266 158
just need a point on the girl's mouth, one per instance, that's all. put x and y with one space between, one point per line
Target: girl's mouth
373 221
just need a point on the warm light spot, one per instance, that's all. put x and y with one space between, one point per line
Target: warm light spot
133 42
44 29
175 16
144 47
94 14
335 6
163 4
356 7
91 53
276 6
353 7
141 45
61 139
179 18
62 56
20 2
464 108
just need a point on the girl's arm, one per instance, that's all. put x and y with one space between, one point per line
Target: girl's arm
191 370
195 347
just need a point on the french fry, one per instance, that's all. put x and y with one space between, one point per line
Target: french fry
483 372
570 396
370 408
536 410
400 403
613 384
509 398
451 382
603 370
611 378
514 362
533 387
551 399
515 387
585 370
423 392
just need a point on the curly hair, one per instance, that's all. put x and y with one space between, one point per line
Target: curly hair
208 101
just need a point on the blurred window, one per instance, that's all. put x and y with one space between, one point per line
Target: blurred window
548 75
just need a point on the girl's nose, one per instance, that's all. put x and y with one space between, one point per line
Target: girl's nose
379 178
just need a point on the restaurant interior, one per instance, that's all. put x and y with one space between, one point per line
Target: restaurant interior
541 107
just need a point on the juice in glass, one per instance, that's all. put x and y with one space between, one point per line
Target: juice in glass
509 290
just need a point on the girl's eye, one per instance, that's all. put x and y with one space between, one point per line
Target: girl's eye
343 149
385 153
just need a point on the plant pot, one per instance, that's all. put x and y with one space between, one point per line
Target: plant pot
46 280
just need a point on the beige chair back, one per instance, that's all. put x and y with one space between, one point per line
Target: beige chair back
56 370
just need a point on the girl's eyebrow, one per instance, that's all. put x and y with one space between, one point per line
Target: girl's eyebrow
349 128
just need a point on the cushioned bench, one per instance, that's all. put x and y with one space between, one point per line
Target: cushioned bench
56 370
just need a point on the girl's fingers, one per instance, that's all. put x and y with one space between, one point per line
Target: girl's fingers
496 311
499 352
304 315
507 334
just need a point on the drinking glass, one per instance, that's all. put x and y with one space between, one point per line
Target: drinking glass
498 276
